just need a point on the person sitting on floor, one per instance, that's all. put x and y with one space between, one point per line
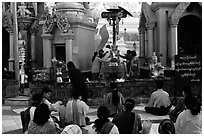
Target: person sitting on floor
40 123
159 102
76 110
127 121
180 106
190 120
36 100
28 114
114 100
103 125
166 126
46 93
57 107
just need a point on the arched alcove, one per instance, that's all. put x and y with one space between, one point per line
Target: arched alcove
190 35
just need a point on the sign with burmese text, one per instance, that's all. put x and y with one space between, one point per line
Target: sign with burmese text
188 69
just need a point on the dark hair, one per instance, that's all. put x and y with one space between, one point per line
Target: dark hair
129 104
128 51
70 64
193 104
115 97
102 113
166 126
133 53
36 99
108 46
94 56
42 114
46 90
159 83
76 94
101 50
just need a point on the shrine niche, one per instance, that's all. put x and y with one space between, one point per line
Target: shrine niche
170 26
68 30
190 30
190 35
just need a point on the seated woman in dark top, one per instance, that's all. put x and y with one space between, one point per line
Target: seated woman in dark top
103 125
40 123
128 122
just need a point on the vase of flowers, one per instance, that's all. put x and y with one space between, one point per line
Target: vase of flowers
59 66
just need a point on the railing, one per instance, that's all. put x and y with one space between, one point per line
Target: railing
136 89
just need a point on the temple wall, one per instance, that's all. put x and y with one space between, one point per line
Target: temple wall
83 46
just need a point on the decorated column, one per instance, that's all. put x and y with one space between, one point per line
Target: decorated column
33 47
15 40
47 50
11 51
150 40
146 43
68 44
142 41
174 45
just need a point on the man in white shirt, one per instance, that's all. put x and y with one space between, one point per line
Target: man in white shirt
159 102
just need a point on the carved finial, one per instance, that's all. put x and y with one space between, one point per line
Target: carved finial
23 11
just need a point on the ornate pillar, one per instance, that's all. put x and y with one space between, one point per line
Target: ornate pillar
33 58
174 44
11 51
146 43
47 50
15 40
150 40
173 21
142 41
68 44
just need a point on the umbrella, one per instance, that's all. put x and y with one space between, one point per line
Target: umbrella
104 35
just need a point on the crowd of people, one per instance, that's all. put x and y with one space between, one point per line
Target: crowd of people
73 117
112 57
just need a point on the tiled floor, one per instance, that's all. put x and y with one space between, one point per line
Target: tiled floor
11 121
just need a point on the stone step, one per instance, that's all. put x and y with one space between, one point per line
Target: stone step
17 101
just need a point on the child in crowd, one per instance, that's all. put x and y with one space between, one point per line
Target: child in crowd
166 126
